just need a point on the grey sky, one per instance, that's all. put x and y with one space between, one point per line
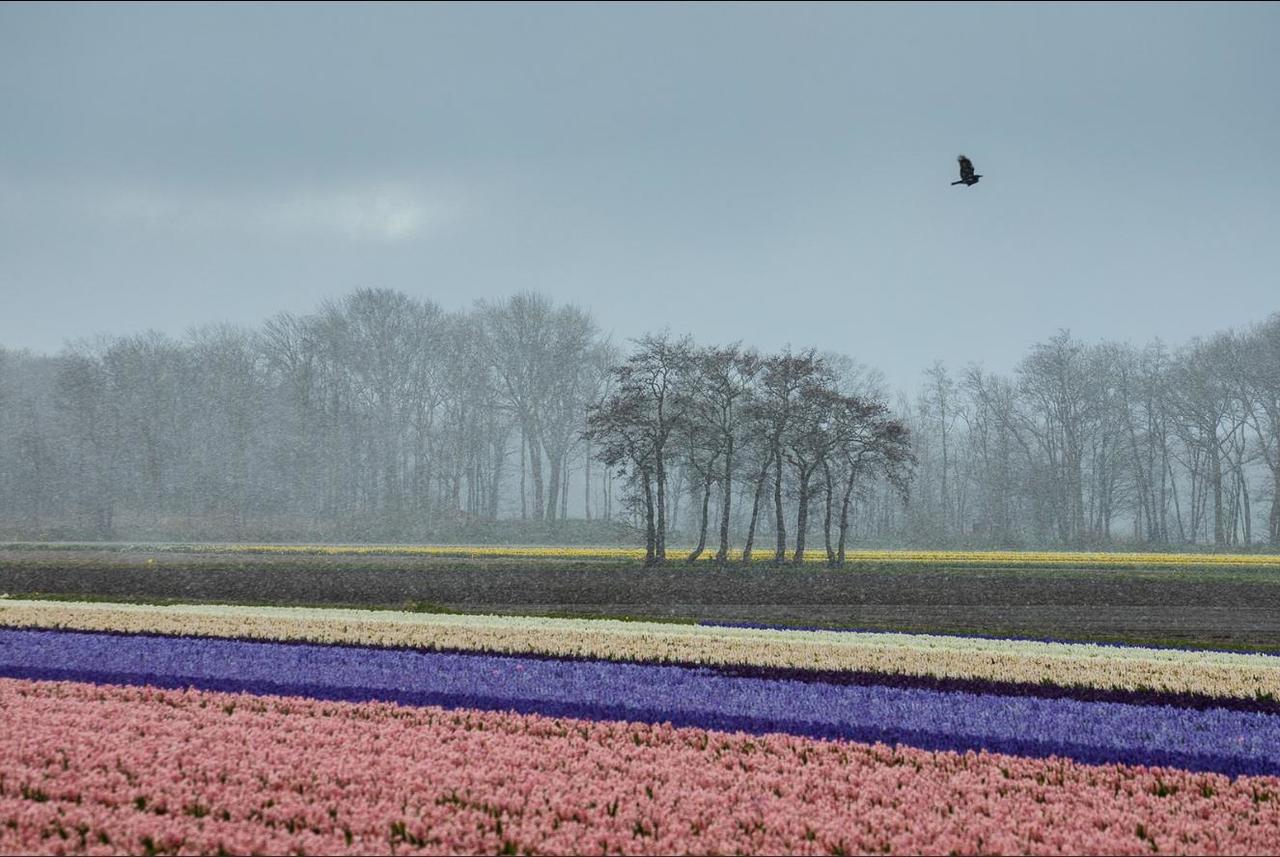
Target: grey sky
775 174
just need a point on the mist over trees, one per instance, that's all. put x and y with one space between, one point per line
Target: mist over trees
376 417
1103 444
379 417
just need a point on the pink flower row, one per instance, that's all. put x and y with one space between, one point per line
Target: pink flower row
94 769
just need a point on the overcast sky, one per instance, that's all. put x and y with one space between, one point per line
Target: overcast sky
768 173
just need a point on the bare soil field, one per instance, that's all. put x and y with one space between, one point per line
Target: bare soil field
1197 607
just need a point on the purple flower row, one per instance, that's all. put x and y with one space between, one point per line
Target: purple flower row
1214 739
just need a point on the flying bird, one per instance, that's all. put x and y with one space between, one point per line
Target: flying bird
967 175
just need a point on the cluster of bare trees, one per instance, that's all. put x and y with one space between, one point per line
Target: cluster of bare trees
378 416
1098 444
382 417
730 420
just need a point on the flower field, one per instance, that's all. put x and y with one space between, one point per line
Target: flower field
937 558
204 729
1228 678
1013 559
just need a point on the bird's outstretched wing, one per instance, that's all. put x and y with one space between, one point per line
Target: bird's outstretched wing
966 168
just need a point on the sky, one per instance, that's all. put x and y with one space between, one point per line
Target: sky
776 174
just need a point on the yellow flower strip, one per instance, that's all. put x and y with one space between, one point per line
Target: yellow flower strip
1216 674
905 557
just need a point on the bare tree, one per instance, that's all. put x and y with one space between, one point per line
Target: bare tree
1207 414
91 415
539 352
1259 372
620 428
867 444
810 438
721 384
782 377
637 421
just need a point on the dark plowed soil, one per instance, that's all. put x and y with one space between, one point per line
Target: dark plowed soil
1194 607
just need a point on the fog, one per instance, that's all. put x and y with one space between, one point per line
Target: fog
379 417
386 273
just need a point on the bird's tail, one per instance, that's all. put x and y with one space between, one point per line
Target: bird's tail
959 182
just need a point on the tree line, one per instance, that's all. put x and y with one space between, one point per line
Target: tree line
1098 444
382 417
376 417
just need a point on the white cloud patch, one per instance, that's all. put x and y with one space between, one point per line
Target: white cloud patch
385 212
381 211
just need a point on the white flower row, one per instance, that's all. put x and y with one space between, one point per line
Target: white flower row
1219 674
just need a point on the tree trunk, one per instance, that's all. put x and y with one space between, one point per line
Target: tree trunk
606 493
802 518
844 523
660 541
524 469
650 532
702 528
722 555
586 482
535 472
1177 504
826 521
564 489
1273 522
1215 474
1248 509
755 510
553 487
495 482
946 497
780 549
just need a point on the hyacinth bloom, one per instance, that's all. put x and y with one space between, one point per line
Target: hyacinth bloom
575 736
1209 739
95 769
1218 678
1014 559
